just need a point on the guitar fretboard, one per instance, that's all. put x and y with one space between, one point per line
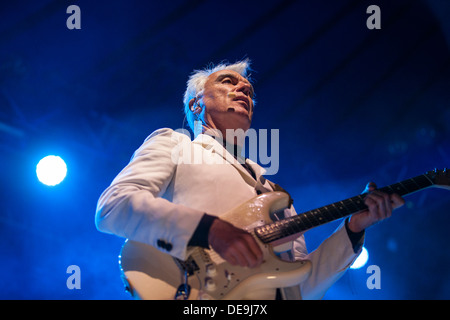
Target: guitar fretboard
310 219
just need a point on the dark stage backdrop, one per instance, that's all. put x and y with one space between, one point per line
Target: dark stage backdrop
352 105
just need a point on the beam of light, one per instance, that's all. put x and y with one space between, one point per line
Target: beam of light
51 170
361 260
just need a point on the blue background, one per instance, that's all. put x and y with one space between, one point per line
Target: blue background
352 105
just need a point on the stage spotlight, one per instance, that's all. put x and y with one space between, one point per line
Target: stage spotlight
361 260
51 170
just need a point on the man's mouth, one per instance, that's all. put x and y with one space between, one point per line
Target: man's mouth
244 101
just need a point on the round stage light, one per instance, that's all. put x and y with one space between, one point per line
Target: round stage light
361 260
51 170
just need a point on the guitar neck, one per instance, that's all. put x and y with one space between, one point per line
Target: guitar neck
293 225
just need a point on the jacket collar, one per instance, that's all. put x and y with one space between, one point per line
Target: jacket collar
215 145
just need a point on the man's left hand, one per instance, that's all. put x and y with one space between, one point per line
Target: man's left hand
380 206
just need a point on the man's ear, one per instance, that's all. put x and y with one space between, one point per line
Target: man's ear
191 104
194 106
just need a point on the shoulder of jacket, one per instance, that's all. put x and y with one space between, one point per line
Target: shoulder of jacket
169 133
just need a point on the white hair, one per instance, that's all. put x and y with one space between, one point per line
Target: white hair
197 80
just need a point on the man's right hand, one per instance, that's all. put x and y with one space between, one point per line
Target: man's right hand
235 245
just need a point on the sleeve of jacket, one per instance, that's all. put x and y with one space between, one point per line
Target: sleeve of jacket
329 261
132 206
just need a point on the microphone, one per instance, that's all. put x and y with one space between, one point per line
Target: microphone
231 95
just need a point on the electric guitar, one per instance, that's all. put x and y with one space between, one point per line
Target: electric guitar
151 274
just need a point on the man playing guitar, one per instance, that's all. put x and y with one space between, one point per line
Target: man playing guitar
172 205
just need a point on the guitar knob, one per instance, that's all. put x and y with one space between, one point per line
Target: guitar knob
210 285
204 296
211 269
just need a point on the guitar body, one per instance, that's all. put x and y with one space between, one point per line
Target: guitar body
152 274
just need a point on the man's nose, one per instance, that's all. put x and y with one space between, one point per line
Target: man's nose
243 87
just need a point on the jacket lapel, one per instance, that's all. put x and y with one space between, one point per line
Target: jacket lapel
214 146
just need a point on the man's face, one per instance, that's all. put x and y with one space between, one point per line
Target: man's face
227 100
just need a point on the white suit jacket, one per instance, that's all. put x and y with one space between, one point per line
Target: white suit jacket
171 181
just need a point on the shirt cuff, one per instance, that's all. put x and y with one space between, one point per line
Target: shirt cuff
200 236
356 238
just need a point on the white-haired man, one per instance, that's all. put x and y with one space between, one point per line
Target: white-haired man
175 205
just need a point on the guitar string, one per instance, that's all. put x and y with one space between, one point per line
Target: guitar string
276 230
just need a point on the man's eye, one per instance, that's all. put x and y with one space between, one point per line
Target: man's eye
226 80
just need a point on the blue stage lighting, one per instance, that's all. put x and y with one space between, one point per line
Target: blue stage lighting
361 260
51 170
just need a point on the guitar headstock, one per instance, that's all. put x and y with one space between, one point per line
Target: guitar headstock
440 178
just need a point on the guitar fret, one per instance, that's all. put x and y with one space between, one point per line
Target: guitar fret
289 227
423 181
400 188
350 205
318 216
278 229
359 202
324 213
330 212
298 227
314 219
420 182
337 210
428 180
390 189
307 220
348 211
411 185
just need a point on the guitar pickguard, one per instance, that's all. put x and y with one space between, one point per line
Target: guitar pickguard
210 276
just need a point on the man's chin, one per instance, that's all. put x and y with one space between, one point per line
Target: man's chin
240 113
240 121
